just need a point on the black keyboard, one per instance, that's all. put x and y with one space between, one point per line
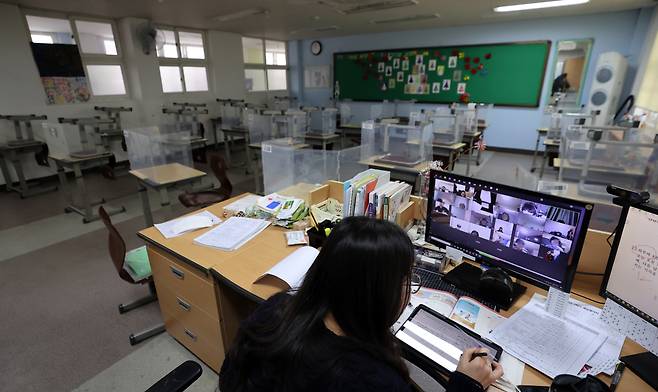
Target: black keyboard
433 280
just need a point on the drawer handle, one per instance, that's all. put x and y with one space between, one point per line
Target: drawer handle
186 307
178 273
190 334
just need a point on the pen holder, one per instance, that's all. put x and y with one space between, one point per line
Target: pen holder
317 237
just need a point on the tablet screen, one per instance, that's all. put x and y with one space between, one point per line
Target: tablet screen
440 340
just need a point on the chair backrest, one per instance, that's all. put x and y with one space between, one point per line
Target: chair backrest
218 167
116 245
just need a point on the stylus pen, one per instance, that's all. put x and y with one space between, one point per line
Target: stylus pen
619 369
477 355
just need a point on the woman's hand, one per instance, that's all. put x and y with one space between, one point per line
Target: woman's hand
480 369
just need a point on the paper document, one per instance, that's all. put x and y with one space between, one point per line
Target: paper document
233 233
607 356
549 344
293 267
180 226
240 206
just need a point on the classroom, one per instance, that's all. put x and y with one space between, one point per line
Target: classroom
329 195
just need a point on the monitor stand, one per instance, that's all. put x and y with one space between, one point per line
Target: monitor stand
467 277
645 365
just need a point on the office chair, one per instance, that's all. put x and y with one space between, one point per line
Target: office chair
178 379
203 199
117 248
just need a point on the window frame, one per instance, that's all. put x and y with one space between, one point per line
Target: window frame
87 58
182 62
265 67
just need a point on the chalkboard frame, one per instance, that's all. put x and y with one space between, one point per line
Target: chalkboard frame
539 92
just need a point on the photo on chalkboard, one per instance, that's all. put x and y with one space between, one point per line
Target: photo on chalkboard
421 69
405 65
389 71
400 76
419 59
445 86
440 70
411 79
461 88
391 83
456 75
396 63
452 61
436 88
432 65
380 67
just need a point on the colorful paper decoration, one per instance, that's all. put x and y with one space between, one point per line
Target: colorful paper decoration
487 56
481 66
465 98
467 66
455 52
466 78
476 60
474 71
443 58
467 59
461 55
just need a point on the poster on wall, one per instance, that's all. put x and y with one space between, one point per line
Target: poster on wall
62 74
320 77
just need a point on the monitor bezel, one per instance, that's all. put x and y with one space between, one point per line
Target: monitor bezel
571 269
652 208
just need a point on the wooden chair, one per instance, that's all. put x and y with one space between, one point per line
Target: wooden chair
203 199
117 249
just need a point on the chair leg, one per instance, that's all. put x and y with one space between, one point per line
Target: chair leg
153 296
141 336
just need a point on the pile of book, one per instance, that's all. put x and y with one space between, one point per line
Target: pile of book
281 210
373 194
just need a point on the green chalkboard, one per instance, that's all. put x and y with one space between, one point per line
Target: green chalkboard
509 74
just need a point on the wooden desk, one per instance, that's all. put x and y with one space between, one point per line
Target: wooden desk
453 151
12 153
85 207
410 174
321 139
225 280
550 145
161 179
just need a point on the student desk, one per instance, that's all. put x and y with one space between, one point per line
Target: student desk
161 179
550 145
230 136
409 174
11 153
541 133
204 293
348 130
85 208
470 138
321 139
452 150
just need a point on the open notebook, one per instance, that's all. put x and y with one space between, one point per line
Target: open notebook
233 233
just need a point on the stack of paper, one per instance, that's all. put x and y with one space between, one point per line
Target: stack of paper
284 209
293 268
241 207
550 344
233 233
180 226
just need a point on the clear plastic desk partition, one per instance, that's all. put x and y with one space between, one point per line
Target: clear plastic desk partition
396 145
444 127
382 110
288 162
260 127
597 156
155 146
323 121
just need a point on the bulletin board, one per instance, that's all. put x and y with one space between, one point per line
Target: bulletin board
507 74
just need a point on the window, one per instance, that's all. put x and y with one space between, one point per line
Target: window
182 57
265 64
97 45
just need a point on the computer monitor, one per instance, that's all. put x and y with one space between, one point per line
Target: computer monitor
533 236
631 277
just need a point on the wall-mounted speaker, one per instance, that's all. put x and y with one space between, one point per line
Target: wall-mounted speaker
609 76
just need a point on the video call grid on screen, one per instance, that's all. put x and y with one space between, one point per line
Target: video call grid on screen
528 235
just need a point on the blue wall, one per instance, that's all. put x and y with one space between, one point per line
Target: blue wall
623 32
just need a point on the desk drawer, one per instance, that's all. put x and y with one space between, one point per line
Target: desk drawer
183 281
211 353
176 306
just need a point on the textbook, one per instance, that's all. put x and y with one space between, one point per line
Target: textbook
464 310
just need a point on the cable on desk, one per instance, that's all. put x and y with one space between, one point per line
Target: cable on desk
588 298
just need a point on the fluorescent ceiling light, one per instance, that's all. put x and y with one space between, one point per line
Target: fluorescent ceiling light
370 7
315 29
241 14
539 5
413 18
